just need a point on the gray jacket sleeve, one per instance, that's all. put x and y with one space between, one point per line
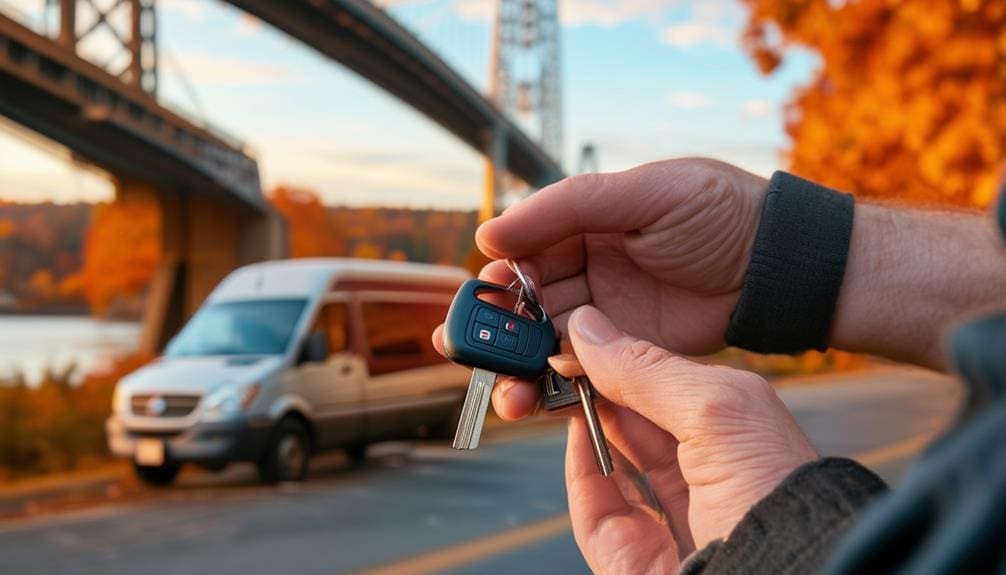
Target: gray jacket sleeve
795 527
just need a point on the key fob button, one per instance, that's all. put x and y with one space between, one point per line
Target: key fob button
533 341
510 325
487 316
507 341
521 340
483 333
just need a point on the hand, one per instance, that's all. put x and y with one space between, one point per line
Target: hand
661 248
711 442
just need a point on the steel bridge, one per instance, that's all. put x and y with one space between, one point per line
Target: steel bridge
214 217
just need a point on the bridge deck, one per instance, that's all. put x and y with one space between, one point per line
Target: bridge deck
117 127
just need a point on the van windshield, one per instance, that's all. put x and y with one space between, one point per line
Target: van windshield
260 327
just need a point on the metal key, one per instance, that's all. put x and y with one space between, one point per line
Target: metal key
557 392
493 340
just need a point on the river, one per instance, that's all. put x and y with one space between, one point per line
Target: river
31 344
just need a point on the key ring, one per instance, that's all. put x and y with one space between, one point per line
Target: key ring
528 291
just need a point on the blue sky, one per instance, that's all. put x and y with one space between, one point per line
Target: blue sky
642 80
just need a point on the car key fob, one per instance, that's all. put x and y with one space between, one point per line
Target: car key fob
481 335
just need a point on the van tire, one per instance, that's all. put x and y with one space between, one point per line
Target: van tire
157 476
446 429
357 454
287 456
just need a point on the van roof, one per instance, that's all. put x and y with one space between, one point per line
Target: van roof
307 277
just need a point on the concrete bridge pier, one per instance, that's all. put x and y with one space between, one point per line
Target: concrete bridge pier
202 240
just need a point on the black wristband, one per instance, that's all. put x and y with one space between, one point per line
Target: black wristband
797 264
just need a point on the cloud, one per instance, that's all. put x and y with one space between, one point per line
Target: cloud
610 12
690 99
353 174
214 69
711 22
192 10
757 109
694 33
571 12
473 10
247 25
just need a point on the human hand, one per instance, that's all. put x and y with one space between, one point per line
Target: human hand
711 442
661 248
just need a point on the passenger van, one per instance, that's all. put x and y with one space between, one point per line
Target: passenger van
289 358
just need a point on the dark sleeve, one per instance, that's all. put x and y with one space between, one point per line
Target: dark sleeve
793 529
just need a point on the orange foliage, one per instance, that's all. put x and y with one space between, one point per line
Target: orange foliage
57 425
910 98
372 232
42 283
121 251
311 234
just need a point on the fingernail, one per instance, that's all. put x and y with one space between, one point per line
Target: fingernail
593 326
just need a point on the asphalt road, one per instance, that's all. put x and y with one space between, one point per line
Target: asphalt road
426 508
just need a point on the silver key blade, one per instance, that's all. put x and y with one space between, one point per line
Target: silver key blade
473 411
597 440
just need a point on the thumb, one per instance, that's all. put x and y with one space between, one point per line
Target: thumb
669 390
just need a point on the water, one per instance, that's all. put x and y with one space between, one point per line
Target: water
30 344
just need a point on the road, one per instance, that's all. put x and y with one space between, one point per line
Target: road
425 508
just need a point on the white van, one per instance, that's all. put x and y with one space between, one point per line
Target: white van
288 358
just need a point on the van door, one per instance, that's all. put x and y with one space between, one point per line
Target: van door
409 383
335 387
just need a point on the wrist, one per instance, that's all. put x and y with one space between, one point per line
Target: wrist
910 277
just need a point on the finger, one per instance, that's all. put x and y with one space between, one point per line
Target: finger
557 262
514 398
588 203
663 387
566 295
566 365
653 452
438 339
613 534
497 272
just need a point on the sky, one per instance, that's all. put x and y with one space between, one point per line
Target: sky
642 80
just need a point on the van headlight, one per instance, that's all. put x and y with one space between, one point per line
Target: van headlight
120 400
230 400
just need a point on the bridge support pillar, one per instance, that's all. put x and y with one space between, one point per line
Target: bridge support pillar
495 150
202 240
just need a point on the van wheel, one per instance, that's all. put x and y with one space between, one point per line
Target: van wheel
287 455
157 476
214 466
357 454
445 429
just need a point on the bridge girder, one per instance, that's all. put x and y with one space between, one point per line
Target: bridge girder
368 41
118 127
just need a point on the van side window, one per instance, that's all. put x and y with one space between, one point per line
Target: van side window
398 334
333 320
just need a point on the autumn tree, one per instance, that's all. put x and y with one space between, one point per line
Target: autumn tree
909 100
121 252
311 232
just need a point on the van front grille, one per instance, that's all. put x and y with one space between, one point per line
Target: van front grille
155 405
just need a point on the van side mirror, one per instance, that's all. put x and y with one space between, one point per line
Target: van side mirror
314 348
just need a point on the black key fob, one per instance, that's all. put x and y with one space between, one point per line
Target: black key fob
479 334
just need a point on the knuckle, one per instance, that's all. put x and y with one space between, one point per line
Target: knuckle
642 355
730 394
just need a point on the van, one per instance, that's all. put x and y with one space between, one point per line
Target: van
289 358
